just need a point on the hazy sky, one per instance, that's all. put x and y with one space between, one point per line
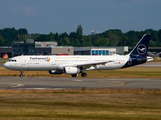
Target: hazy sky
45 16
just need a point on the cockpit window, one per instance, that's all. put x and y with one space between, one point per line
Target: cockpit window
12 60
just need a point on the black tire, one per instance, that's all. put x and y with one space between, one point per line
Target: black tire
21 75
84 75
74 75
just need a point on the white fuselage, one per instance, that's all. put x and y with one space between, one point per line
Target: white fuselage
53 62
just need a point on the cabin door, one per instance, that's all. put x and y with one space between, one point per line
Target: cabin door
54 66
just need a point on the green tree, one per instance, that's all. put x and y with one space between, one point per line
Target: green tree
112 37
1 41
51 35
79 31
102 42
83 42
72 42
77 43
133 38
9 34
113 40
73 35
159 35
123 41
56 37
63 35
65 42
152 43
22 31
88 41
42 38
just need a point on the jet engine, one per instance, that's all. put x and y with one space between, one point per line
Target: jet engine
71 70
56 71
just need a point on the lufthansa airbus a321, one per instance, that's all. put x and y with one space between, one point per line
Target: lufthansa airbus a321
75 64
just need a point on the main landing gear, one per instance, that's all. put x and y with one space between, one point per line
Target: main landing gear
74 75
83 75
21 75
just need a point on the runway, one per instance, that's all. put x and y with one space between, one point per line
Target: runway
77 83
150 64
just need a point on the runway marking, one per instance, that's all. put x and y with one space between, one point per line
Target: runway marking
18 85
11 85
34 88
42 88
118 83
77 80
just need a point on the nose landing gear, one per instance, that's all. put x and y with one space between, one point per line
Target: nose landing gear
21 75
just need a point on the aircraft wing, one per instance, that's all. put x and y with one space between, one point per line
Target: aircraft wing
89 66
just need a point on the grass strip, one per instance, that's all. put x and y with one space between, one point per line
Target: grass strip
122 104
133 72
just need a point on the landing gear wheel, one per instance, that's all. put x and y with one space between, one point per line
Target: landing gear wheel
21 75
84 75
74 75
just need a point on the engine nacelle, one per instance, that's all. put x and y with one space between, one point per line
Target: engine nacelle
71 70
56 71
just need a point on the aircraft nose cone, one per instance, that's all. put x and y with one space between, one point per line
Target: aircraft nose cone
5 65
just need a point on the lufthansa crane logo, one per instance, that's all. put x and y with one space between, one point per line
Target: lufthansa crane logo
141 49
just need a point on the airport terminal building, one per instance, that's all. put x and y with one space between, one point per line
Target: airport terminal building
30 47
100 50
